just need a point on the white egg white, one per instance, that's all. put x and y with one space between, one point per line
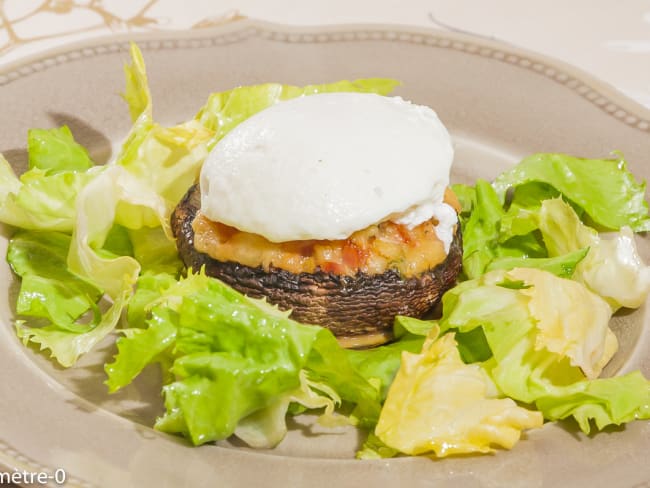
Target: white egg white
324 166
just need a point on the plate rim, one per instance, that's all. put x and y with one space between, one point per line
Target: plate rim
600 93
589 87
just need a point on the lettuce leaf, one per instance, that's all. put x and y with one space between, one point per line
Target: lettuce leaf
603 188
581 334
152 315
114 197
466 195
520 220
65 345
545 350
613 268
329 363
137 94
604 401
43 198
55 150
563 265
103 208
265 428
39 200
166 159
232 357
374 448
234 360
379 365
487 239
481 231
439 404
47 288
140 347
50 291
156 253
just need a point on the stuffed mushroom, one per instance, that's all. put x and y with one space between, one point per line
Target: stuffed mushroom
334 206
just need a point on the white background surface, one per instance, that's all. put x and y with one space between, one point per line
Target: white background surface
609 39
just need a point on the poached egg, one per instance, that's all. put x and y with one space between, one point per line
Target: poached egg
325 166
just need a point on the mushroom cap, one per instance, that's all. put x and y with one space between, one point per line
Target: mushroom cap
359 309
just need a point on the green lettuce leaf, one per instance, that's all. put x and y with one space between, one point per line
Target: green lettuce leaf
233 359
329 363
39 200
563 265
506 224
166 159
218 389
65 345
521 218
50 291
485 239
265 428
47 288
140 347
159 289
374 448
481 231
137 94
152 315
156 253
604 188
380 364
113 197
117 214
466 195
613 268
545 350
55 150
43 198
238 363
603 401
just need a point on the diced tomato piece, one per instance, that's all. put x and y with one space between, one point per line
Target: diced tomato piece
404 233
330 267
353 256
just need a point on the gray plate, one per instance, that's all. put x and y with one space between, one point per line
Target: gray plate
499 102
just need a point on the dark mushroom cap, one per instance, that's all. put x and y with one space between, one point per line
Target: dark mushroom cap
358 309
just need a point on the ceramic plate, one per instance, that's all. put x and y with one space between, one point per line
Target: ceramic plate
500 103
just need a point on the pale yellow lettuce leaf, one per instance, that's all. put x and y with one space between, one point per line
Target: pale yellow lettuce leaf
438 404
571 320
612 268
115 196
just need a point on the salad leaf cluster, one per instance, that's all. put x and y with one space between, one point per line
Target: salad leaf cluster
522 339
546 213
531 322
237 363
97 228
93 249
